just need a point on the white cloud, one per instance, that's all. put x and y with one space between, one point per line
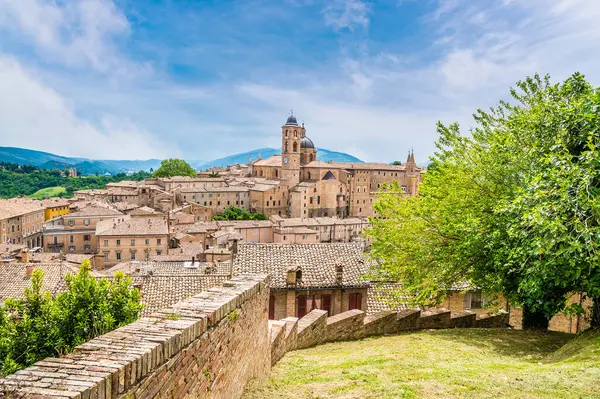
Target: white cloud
347 14
76 33
33 115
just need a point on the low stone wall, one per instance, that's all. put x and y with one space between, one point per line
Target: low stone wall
208 346
315 328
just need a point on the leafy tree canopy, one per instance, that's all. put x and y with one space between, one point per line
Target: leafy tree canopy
235 213
174 167
512 208
40 326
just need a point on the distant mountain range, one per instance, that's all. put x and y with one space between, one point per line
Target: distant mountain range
46 160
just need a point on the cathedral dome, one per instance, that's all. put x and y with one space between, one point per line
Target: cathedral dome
305 142
291 120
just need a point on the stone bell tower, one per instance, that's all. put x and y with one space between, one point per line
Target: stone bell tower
291 134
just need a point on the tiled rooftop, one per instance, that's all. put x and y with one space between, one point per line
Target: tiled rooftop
385 296
134 227
316 261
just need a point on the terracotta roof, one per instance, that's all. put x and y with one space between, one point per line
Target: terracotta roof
134 227
94 210
162 291
144 210
357 165
171 268
275 160
317 263
202 227
385 296
19 206
294 230
55 202
223 189
14 280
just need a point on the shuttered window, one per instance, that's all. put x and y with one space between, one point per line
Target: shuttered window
355 301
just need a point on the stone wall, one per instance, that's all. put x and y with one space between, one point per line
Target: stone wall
316 328
208 346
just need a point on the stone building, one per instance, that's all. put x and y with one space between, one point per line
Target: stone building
21 221
312 188
76 232
132 238
307 276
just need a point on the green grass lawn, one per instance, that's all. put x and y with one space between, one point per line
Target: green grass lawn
457 363
48 192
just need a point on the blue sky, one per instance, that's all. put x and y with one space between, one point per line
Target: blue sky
136 79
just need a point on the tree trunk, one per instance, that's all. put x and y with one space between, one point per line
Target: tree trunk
534 320
595 321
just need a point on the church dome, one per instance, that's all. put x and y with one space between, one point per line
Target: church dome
305 142
291 120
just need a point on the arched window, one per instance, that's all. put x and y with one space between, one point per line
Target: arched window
310 157
286 146
295 134
308 175
287 133
301 158
276 173
295 146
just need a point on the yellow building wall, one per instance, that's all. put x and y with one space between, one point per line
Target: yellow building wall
56 211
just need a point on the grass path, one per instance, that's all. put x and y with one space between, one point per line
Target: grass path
458 363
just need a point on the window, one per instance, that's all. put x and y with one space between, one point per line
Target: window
147 241
284 238
55 240
355 301
86 222
159 253
132 253
71 222
106 243
295 146
106 256
86 237
118 255
158 241
72 248
474 300
307 303
118 242
71 239
133 243
271 307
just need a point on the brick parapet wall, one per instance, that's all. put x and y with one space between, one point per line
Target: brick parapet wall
315 328
184 350
209 346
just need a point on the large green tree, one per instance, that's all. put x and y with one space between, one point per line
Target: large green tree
174 167
512 208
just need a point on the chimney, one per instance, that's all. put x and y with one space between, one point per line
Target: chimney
25 255
29 268
291 276
339 273
193 259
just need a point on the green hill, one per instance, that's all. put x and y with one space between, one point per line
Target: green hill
48 192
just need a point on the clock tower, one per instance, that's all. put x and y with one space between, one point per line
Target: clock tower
291 135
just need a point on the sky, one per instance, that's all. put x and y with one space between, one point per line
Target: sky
199 79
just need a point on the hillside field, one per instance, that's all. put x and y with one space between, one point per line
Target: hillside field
457 363
48 192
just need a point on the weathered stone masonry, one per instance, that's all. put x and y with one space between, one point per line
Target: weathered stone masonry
209 346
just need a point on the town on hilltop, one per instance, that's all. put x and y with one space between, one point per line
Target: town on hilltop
311 240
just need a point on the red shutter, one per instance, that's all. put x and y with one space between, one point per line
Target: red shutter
326 303
355 301
301 306
272 307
